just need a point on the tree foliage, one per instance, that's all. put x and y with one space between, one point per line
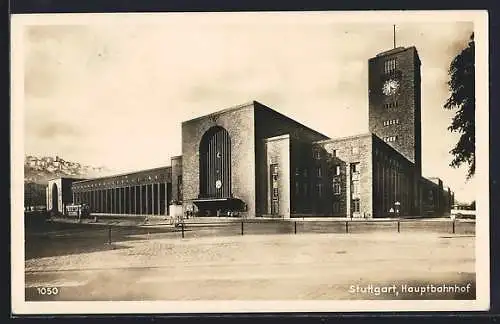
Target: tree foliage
462 99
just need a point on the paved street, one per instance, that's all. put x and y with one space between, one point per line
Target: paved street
157 264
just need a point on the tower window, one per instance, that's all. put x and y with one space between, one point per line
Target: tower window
391 122
391 105
337 170
317 155
334 153
390 66
390 139
355 150
319 172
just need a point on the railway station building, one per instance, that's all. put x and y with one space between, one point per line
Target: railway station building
252 161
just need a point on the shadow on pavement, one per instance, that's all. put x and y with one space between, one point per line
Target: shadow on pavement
58 239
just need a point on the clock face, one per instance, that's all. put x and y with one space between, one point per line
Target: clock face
390 87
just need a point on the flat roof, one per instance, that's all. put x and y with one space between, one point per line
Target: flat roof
218 112
343 138
124 174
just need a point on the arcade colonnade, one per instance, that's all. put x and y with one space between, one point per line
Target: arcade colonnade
144 193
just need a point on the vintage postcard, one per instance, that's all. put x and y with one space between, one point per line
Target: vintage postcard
250 162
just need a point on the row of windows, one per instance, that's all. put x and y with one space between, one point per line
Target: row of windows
319 189
317 154
391 122
116 182
319 170
390 66
355 206
390 139
381 156
390 105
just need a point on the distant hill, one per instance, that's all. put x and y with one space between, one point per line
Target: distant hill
38 170
41 169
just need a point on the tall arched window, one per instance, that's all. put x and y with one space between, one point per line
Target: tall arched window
215 164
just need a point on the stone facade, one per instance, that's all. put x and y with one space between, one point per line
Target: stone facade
278 186
239 123
397 115
349 164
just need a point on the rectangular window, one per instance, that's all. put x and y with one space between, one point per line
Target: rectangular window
305 173
336 207
336 188
297 188
179 188
337 170
317 155
319 172
355 150
355 188
334 153
355 167
275 192
355 205
297 171
319 189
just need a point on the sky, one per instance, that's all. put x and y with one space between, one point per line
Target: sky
113 92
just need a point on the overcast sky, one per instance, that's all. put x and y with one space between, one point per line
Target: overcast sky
114 93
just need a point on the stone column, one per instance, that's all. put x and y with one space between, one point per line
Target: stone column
140 200
348 189
166 199
152 199
129 200
146 187
159 205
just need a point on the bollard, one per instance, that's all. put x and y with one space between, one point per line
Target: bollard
182 229
347 226
295 227
399 226
453 227
241 228
109 234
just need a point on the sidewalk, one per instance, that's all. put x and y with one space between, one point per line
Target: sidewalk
116 221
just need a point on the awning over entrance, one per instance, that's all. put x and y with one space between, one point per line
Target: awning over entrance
221 204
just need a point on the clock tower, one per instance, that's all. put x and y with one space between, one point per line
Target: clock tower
394 101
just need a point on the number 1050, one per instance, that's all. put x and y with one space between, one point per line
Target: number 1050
47 290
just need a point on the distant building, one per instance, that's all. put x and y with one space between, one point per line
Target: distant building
256 162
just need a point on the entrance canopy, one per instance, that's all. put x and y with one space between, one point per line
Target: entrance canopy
212 205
